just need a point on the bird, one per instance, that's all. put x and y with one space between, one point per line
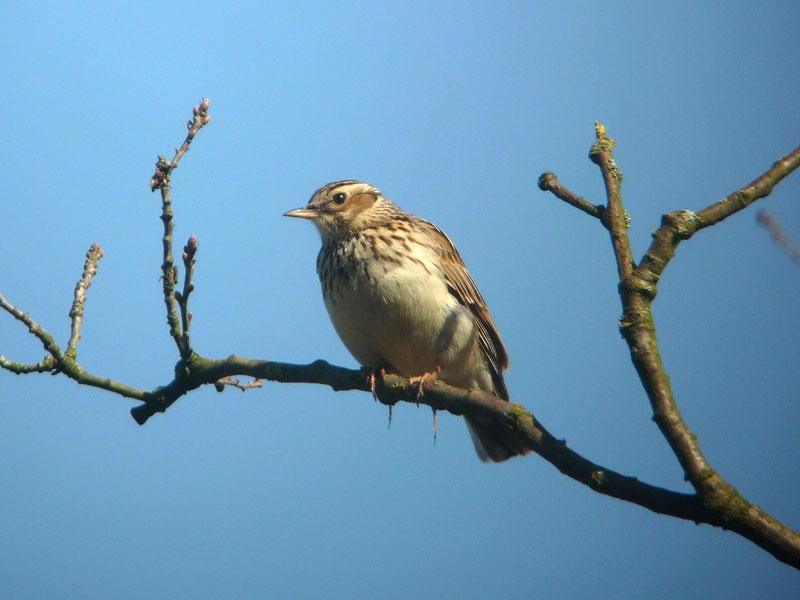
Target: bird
401 299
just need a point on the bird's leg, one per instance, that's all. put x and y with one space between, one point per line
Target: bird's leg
371 378
422 380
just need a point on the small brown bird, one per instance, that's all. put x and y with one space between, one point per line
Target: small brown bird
401 298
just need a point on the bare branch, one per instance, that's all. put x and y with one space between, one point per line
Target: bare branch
169 273
189 253
617 219
714 502
638 288
164 167
93 256
682 225
47 340
391 389
755 190
518 422
45 365
637 325
235 383
548 182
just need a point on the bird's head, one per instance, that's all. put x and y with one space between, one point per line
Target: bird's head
344 207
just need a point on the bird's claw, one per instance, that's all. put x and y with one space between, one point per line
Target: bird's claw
371 379
422 380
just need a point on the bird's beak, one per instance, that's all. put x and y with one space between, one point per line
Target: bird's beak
303 213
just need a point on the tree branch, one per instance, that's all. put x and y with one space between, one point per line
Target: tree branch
178 329
93 256
617 219
548 182
757 189
714 501
638 288
520 424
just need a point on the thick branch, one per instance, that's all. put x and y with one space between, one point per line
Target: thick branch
714 502
737 514
519 423
638 289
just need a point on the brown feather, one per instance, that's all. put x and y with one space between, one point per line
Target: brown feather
463 287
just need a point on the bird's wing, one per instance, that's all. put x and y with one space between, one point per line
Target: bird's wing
461 285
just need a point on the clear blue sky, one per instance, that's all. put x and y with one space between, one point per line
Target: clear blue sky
453 110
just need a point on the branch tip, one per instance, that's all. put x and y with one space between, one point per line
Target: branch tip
93 256
548 182
602 146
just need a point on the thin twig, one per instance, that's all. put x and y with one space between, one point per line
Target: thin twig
47 340
58 361
169 272
189 253
548 182
93 256
714 501
47 364
220 384
755 190
164 167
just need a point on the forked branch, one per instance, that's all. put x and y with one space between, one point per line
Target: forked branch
178 328
638 287
714 501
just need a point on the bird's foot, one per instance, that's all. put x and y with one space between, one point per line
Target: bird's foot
422 380
372 378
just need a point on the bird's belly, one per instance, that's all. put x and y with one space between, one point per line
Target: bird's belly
403 319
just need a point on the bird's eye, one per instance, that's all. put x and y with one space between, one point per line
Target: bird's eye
339 198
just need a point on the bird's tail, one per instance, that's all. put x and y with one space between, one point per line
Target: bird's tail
493 444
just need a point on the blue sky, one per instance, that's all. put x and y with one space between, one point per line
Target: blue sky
453 110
